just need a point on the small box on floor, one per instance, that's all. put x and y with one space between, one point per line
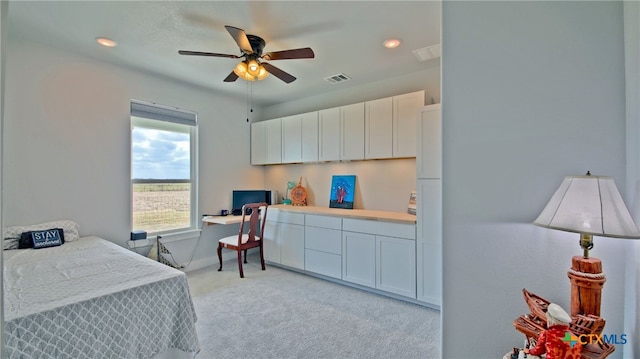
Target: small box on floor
135 235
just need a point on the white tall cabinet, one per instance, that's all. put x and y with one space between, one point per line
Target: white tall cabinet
429 205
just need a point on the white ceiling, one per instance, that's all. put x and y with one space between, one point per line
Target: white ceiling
346 37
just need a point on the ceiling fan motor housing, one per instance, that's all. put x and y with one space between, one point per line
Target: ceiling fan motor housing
257 45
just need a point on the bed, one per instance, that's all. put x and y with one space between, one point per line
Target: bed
90 298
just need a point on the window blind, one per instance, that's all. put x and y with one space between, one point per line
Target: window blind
162 113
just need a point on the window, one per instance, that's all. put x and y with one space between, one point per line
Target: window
164 180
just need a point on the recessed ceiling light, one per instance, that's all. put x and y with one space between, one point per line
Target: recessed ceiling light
106 42
391 43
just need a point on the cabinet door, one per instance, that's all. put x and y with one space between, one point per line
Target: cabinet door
396 266
429 156
429 241
292 246
309 136
379 128
258 143
405 114
291 139
273 132
352 134
329 134
323 251
271 244
359 258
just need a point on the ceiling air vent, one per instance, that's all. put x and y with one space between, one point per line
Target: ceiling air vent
427 53
334 79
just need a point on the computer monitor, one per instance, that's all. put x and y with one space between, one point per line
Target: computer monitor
242 197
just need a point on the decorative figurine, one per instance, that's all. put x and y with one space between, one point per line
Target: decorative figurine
557 341
299 195
286 199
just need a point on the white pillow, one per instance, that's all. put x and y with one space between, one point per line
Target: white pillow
11 234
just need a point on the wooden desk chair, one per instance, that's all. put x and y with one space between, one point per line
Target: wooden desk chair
251 214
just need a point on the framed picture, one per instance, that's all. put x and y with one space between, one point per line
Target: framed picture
343 189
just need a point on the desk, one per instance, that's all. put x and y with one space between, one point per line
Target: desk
209 220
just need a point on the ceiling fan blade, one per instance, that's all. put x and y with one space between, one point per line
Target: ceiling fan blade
284 76
241 39
231 78
303 53
213 54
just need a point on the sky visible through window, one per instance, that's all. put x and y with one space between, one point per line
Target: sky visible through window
159 154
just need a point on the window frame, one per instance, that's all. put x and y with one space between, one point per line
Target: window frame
161 117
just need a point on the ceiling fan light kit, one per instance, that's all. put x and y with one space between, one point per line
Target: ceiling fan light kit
250 72
251 69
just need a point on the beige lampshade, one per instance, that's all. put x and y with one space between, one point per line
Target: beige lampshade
588 205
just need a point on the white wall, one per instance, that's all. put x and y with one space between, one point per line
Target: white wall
632 81
3 44
531 92
382 185
67 142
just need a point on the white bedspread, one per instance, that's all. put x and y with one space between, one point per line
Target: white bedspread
94 299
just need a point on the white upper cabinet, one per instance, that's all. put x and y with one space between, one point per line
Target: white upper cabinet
390 130
258 143
273 132
352 134
300 138
291 139
429 157
266 142
341 133
405 112
329 134
378 128
309 136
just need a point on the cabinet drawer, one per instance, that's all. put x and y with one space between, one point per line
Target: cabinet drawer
323 263
323 239
285 217
400 230
323 221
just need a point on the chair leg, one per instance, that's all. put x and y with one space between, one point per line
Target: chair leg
240 263
245 256
261 256
220 256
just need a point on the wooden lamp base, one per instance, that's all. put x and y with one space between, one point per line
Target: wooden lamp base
587 280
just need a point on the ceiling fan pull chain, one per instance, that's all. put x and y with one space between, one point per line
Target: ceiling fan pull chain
248 100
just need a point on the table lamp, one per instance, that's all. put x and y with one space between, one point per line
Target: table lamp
591 206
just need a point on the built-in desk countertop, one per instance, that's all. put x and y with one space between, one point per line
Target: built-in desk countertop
368 214
398 217
209 220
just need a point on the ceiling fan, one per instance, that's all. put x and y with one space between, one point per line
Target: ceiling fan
252 68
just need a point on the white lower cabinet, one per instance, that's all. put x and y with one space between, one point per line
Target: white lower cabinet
323 245
370 253
359 258
380 255
396 265
284 238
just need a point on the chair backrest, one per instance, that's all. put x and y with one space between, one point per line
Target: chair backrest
256 227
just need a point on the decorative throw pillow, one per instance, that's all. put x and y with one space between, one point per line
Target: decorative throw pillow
11 235
41 239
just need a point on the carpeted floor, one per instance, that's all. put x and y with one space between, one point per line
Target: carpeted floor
282 314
